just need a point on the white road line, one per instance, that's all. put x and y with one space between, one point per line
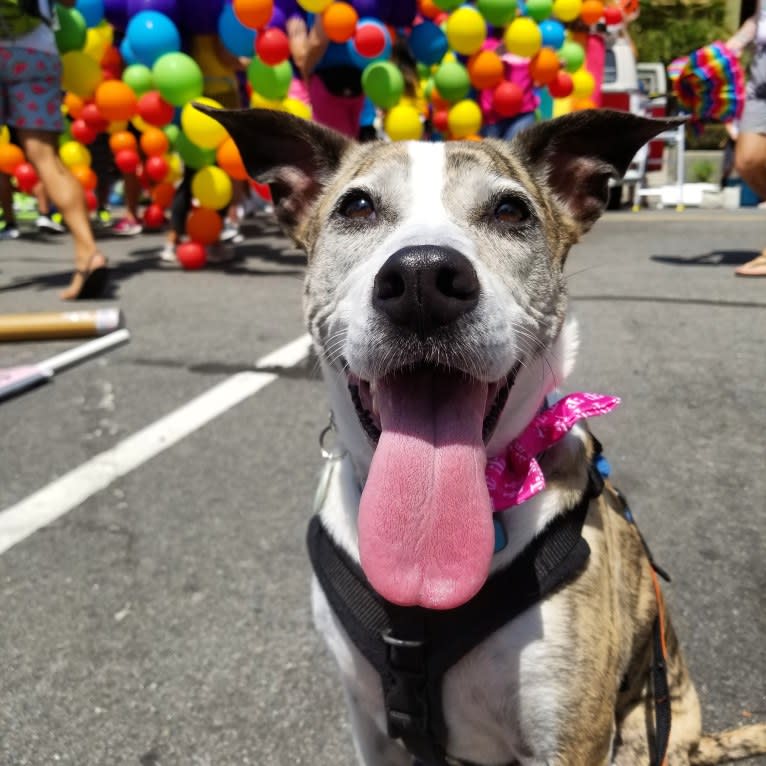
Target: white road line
67 492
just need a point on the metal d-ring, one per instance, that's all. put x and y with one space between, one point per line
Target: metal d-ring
327 454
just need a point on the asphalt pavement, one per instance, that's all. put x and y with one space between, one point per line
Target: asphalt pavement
165 619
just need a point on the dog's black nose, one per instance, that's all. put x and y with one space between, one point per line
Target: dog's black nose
424 287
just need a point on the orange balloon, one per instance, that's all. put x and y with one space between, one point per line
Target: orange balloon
204 225
116 100
591 11
229 159
485 69
581 104
339 21
123 139
253 13
154 142
85 175
11 156
429 9
437 101
544 66
73 104
162 194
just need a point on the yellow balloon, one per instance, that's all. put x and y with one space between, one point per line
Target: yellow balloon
80 73
259 102
95 44
466 30
314 6
74 153
566 10
200 129
297 107
583 83
212 187
523 37
403 123
464 118
5 135
175 168
139 123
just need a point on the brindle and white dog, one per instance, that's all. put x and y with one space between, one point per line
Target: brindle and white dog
435 279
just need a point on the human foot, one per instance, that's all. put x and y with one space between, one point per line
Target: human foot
88 282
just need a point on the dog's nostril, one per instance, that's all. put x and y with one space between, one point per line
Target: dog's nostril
389 285
460 284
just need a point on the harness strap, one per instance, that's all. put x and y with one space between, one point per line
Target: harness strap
660 687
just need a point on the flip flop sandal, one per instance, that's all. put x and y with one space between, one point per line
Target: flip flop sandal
754 268
94 282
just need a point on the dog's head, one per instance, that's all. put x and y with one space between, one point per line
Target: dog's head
436 299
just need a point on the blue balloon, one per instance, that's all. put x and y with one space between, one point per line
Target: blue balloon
238 39
428 43
128 57
150 35
91 10
553 33
362 61
168 7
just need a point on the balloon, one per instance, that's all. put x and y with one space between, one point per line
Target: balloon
156 168
567 10
151 35
464 119
612 15
497 12
553 33
428 43
83 132
201 129
447 5
26 176
162 195
72 29
153 110
314 6
178 78
383 84
204 20
580 104
270 82
583 83
485 69
96 44
91 115
139 78
229 159
191 255
122 139
167 7
370 42
339 21
374 8
401 13
272 47
466 30
212 187
85 175
544 66
5 135
204 225
172 132
176 171
154 216
117 126
236 37
507 99
73 153
91 200
116 13
115 100
74 105
192 155
11 156
539 10
561 86
254 13
80 73
523 37
403 123
572 55
452 81
297 107
591 11
127 161
92 11
154 143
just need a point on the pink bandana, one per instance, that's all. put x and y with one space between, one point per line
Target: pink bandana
516 476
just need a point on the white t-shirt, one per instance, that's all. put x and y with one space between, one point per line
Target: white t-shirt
760 20
41 38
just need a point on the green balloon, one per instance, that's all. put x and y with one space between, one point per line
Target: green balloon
178 78
572 54
539 10
72 29
497 12
139 77
193 156
452 81
448 5
271 82
172 132
383 83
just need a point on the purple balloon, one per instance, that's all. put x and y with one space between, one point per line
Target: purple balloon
377 9
401 13
116 13
278 19
288 7
168 7
204 19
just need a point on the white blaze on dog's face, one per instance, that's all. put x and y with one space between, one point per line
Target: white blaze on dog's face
436 299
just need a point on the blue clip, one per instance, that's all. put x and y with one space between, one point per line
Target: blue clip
602 466
500 539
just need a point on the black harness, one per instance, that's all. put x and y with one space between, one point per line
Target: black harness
412 648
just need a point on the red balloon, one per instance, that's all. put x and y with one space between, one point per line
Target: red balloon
507 98
91 200
91 115
154 110
272 46
26 176
612 15
127 160
440 120
191 255
154 217
561 86
156 168
83 132
369 40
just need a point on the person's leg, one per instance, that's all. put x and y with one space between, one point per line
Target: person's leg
750 161
11 230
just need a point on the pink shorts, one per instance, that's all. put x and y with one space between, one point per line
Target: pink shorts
339 112
30 89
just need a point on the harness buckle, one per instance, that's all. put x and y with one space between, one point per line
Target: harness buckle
406 692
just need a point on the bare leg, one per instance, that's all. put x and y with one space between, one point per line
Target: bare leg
132 196
43 208
67 194
750 161
6 200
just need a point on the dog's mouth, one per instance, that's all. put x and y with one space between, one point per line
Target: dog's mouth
426 534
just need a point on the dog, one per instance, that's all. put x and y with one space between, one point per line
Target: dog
437 304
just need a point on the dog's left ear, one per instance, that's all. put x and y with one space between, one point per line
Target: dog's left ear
575 156
295 157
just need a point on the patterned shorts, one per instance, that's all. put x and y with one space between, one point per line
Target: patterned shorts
30 89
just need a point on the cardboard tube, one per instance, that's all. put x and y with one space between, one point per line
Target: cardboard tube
59 324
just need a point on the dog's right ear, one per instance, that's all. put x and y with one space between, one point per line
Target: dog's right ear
295 157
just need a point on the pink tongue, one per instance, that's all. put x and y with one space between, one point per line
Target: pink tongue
425 521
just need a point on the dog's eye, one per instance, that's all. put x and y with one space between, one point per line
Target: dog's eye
358 206
510 211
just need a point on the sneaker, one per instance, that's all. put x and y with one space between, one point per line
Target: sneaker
230 232
168 253
10 232
104 217
47 225
127 228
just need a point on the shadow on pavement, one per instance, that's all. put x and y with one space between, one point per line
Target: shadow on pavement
715 258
